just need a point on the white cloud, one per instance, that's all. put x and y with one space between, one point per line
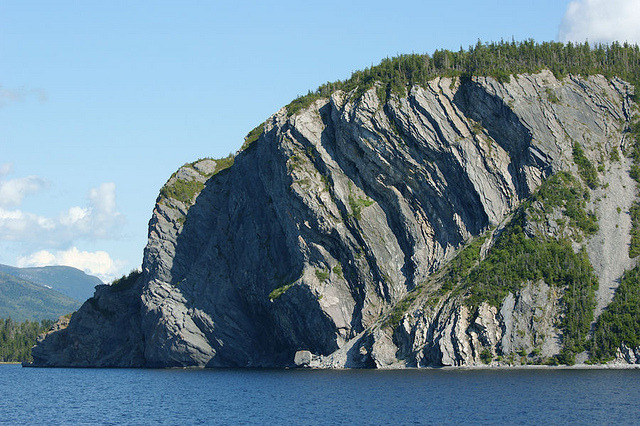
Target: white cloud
601 21
104 197
17 225
97 263
100 219
103 216
13 191
5 169
74 216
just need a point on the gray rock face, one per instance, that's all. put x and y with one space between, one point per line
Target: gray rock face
453 335
627 355
607 249
104 332
306 359
334 214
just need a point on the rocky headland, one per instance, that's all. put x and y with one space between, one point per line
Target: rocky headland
462 221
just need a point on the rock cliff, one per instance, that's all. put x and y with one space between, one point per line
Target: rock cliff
339 231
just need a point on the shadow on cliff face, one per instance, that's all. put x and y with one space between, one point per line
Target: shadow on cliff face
460 199
237 245
382 173
503 125
117 342
240 238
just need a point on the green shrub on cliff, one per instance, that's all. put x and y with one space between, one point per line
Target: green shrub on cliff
357 204
466 259
126 281
182 190
397 313
585 167
223 164
252 136
565 192
486 356
620 322
634 131
277 292
322 275
517 258
185 190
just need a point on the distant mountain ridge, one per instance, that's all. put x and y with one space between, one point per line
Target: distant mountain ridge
23 300
67 280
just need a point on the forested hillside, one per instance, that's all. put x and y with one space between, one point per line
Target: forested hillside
69 281
17 338
21 300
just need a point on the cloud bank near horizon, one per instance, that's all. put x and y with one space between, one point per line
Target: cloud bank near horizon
36 234
100 219
97 263
601 21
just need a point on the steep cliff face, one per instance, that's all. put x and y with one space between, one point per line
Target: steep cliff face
348 212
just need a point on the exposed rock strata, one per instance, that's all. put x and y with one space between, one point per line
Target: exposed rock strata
345 207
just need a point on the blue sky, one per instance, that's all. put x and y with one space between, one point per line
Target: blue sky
101 101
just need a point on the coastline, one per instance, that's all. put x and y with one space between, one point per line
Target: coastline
612 366
547 367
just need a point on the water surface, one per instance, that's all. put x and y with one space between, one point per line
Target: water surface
131 396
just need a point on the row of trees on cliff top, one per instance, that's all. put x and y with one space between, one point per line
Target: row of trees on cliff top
498 59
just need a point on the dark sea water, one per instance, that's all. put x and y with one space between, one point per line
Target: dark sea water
113 396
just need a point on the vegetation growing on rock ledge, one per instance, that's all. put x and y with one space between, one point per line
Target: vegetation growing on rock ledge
252 136
277 292
126 281
634 131
585 167
465 260
357 204
565 192
184 190
397 313
322 275
517 258
455 271
620 322
223 164
486 356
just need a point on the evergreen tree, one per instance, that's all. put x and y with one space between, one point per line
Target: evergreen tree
17 339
